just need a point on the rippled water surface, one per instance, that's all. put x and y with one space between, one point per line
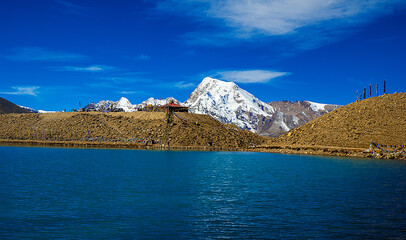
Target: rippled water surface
132 194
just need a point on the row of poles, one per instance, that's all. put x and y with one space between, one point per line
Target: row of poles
364 95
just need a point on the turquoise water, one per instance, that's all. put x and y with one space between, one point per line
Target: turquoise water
48 193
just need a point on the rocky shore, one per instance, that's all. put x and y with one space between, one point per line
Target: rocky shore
283 149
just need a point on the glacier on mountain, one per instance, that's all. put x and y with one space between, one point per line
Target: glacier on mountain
228 103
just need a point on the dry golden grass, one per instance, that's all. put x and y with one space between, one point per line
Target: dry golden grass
381 118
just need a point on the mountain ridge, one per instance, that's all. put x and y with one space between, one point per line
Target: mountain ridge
229 103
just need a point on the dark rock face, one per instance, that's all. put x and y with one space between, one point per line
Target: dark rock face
9 107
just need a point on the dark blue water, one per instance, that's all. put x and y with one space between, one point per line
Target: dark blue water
48 193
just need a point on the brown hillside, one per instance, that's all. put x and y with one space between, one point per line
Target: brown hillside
9 107
137 127
383 118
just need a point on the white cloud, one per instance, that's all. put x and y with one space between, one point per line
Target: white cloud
28 90
184 85
92 68
41 54
133 92
250 19
250 76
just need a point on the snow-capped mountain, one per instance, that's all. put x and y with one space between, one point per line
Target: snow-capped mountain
293 114
107 105
157 102
126 106
37 111
228 103
28 108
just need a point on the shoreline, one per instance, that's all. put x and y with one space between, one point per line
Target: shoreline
282 149
112 145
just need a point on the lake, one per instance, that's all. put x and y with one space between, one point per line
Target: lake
48 193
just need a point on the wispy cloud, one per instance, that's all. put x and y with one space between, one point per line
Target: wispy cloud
134 93
92 68
41 54
244 20
27 90
250 76
117 82
184 84
72 7
143 57
122 79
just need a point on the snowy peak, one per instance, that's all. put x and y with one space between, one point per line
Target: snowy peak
317 106
123 101
107 105
125 104
228 103
209 85
157 102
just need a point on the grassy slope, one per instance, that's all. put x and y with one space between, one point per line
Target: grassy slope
187 130
383 118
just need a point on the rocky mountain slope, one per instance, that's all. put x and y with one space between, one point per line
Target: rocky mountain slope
9 107
290 115
381 118
228 103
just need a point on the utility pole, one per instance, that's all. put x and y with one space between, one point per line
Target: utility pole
370 92
169 121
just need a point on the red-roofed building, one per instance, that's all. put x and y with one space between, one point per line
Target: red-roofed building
173 107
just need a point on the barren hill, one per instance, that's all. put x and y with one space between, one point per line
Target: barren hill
9 107
381 118
132 128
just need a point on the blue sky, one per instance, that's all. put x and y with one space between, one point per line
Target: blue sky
57 53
